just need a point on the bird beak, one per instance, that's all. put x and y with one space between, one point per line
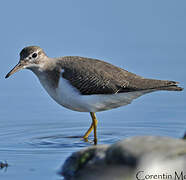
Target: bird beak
18 67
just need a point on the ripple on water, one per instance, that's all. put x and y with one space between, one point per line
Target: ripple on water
58 141
52 137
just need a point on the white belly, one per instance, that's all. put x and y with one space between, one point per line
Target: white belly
69 97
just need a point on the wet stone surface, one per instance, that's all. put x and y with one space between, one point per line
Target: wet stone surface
124 159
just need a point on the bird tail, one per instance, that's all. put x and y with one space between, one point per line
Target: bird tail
169 86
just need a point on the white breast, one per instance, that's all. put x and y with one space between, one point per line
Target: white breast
68 96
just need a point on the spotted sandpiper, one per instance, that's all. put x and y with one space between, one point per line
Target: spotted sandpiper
86 84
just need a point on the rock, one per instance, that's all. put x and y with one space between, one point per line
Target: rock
136 156
89 158
184 137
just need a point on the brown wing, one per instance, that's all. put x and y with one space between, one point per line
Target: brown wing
91 76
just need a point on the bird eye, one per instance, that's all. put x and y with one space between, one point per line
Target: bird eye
34 55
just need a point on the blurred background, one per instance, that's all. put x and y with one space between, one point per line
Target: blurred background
145 37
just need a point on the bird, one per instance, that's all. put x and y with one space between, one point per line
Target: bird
86 84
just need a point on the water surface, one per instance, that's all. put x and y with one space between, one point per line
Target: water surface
35 134
144 37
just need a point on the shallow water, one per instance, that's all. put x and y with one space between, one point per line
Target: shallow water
37 135
144 37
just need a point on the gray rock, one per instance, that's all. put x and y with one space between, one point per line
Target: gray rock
124 159
184 137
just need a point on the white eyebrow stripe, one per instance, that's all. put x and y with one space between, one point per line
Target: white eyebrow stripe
36 51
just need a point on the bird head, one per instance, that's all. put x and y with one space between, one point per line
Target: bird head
30 57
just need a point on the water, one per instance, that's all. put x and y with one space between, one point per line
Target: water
144 37
35 132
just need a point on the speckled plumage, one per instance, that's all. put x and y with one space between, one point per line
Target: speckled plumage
92 76
85 84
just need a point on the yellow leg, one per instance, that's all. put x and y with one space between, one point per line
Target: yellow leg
93 126
95 122
88 131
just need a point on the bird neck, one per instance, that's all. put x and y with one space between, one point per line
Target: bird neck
49 76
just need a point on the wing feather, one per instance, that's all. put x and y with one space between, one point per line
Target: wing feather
92 76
